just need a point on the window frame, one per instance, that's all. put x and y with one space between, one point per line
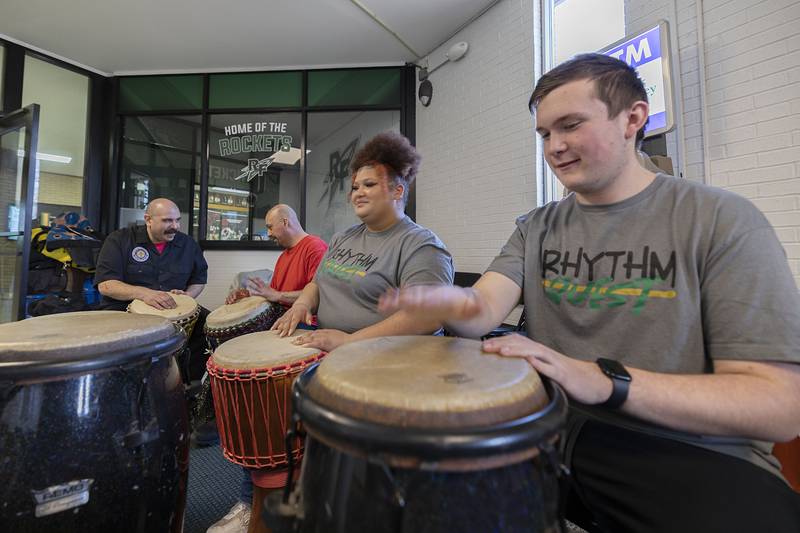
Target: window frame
406 109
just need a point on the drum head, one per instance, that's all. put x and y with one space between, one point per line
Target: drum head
237 313
264 349
86 340
433 382
186 307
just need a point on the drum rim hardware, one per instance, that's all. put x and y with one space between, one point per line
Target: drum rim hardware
426 443
35 369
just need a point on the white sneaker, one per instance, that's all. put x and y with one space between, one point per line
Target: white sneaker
236 521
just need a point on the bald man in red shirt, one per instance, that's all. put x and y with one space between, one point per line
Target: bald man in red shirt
296 265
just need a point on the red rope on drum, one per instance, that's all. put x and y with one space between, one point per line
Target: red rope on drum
234 403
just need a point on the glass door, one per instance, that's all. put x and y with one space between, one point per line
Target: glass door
18 141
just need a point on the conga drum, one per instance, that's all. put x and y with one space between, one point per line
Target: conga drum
184 315
93 424
423 434
248 315
251 378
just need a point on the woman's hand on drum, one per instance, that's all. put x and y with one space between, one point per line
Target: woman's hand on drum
157 299
177 291
582 380
259 288
297 313
438 302
324 339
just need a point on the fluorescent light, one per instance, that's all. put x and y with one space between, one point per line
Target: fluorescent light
286 158
48 157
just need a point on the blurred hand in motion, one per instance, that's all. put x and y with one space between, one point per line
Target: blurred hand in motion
437 302
259 288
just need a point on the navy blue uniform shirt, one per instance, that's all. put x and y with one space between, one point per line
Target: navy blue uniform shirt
129 256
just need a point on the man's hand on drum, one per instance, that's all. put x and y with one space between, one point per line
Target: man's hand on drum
582 380
324 339
297 313
437 302
236 295
257 287
157 299
177 291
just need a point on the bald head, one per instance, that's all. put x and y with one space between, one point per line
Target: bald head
283 226
160 205
163 220
284 211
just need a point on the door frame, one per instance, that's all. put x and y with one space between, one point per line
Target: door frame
28 118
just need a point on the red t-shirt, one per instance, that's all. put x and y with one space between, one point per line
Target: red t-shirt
160 246
297 265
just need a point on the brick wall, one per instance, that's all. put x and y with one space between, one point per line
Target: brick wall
476 138
752 99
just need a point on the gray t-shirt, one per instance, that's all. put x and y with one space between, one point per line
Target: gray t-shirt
669 280
360 265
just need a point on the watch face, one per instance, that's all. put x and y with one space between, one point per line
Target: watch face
613 369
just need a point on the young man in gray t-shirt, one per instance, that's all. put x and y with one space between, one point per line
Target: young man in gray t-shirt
665 309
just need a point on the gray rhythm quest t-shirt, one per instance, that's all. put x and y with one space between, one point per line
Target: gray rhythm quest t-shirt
361 265
668 280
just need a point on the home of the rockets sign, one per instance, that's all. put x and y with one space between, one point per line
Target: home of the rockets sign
254 137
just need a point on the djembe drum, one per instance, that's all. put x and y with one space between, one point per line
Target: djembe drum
251 378
421 434
248 315
93 426
184 315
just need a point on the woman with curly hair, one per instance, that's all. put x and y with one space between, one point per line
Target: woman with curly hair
387 250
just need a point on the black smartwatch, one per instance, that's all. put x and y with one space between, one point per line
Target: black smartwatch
619 377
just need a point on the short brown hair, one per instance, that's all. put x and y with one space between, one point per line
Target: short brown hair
395 153
616 83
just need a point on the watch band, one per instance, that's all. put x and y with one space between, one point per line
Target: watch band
619 393
620 379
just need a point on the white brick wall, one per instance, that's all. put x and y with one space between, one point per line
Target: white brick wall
476 138
753 60
752 57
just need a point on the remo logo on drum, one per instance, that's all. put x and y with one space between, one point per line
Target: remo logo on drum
140 255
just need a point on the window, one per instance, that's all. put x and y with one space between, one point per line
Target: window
161 93
63 97
354 87
333 139
258 89
254 164
160 158
573 27
2 70
227 147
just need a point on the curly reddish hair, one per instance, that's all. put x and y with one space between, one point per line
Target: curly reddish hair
395 153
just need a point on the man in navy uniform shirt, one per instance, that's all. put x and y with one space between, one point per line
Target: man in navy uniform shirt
148 263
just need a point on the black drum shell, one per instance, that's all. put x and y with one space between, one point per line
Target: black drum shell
124 427
350 482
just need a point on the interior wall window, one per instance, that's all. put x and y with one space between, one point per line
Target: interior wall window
254 164
255 89
63 97
574 27
2 70
161 93
333 139
160 158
